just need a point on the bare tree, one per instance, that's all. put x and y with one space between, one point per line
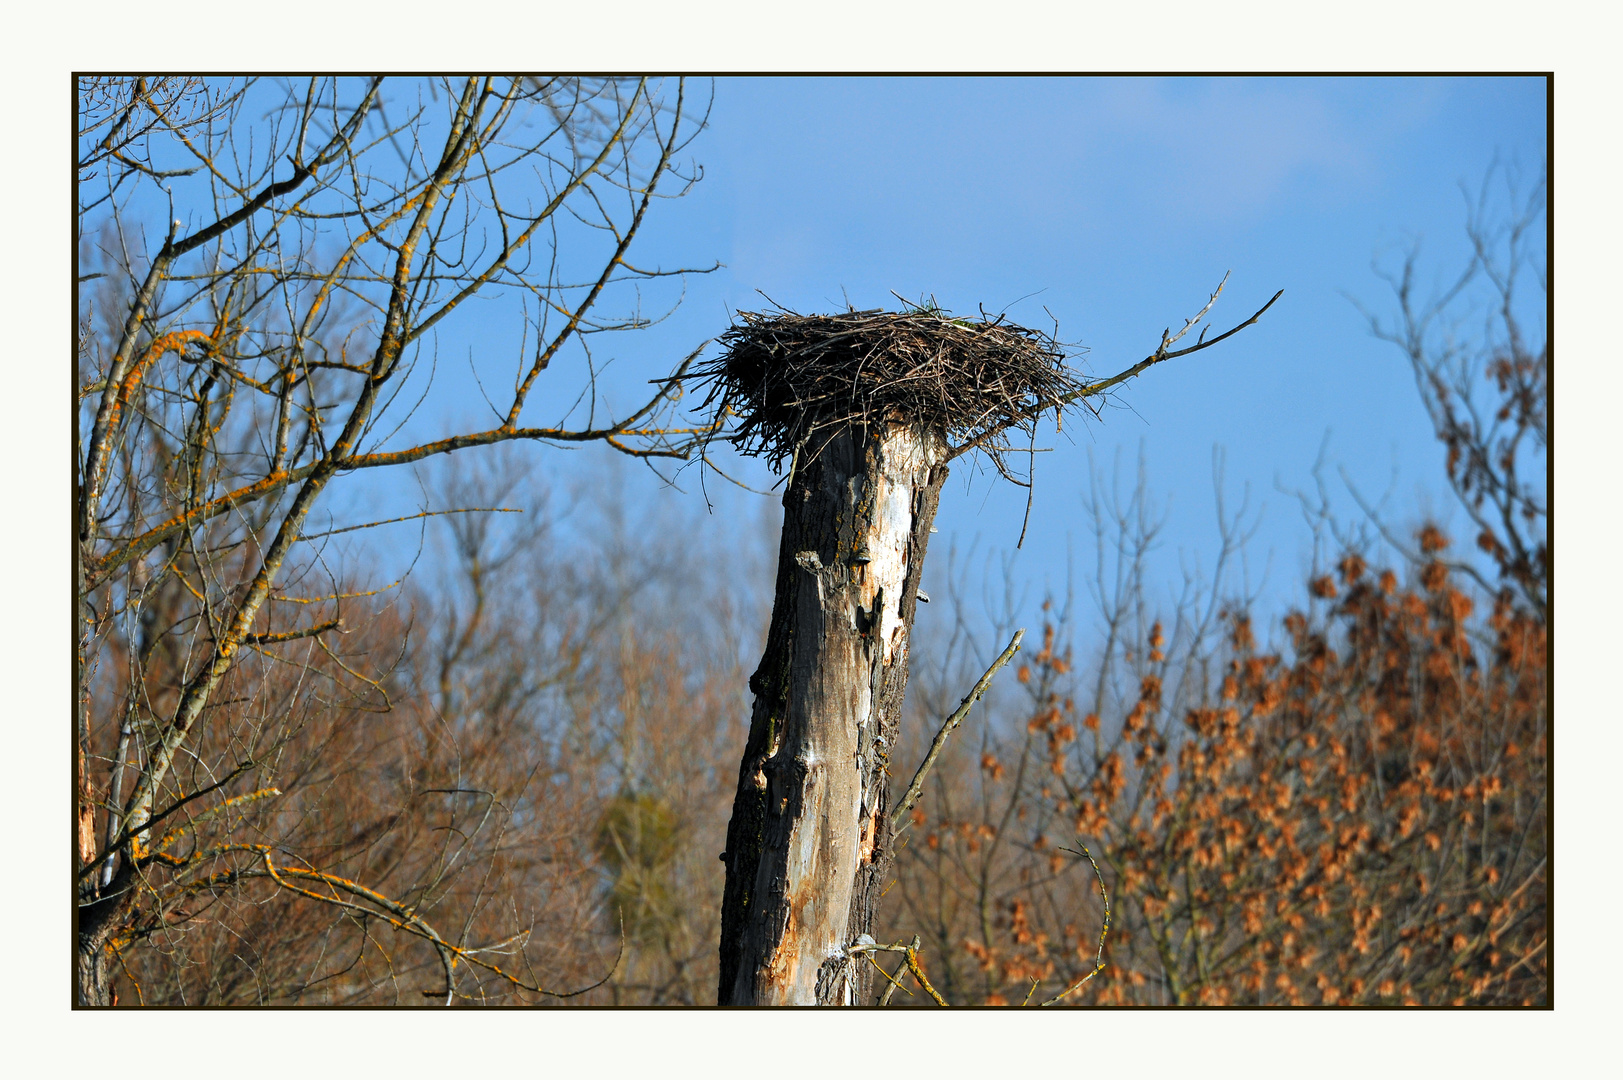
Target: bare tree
264 268
1481 358
551 767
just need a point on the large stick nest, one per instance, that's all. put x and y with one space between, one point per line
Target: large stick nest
788 377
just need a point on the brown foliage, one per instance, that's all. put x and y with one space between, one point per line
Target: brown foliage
241 357
528 754
1356 818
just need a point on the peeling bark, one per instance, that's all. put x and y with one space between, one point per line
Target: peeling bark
809 842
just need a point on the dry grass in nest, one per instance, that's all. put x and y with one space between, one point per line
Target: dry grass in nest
788 377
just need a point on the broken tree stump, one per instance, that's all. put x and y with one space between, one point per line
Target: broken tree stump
863 406
809 841
867 407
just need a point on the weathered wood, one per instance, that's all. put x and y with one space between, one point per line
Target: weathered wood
809 841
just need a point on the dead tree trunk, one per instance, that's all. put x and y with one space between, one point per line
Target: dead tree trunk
864 403
809 841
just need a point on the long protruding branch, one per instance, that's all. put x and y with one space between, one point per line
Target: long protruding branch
274 483
1162 353
899 816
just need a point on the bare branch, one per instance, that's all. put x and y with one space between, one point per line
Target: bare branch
898 818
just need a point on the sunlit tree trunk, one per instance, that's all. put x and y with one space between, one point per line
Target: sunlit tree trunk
809 841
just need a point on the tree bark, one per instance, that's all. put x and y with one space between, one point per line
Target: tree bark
94 974
98 919
809 842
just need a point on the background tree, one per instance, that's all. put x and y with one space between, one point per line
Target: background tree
1357 814
1358 817
543 671
1486 386
315 236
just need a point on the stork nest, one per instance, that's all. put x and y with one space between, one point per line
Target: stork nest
788 377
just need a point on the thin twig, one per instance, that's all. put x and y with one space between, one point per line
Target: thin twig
917 786
1201 314
1161 354
1099 959
988 437
894 985
413 517
1031 489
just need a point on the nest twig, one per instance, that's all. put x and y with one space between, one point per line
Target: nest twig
788 377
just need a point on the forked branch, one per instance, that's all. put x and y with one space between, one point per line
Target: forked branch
1162 353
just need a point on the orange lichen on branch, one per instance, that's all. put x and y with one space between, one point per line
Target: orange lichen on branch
171 342
404 919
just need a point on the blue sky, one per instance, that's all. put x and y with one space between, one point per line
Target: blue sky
1116 205
1110 205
